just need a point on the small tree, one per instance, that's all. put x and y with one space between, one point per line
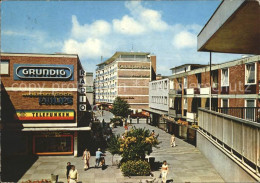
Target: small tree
114 145
120 108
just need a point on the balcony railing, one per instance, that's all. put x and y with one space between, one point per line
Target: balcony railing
247 113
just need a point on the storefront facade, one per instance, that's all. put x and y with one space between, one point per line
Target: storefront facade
44 104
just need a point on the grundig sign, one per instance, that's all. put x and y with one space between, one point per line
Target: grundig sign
30 115
43 72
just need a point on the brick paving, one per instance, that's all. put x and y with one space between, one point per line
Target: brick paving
186 164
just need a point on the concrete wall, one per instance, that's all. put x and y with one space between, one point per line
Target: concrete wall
226 167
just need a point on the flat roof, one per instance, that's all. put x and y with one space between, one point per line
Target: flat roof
117 54
39 54
183 65
233 28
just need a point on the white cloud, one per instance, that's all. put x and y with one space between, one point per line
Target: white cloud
142 20
98 28
128 26
185 39
90 48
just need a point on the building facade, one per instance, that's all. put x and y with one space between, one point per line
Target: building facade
44 104
126 75
234 84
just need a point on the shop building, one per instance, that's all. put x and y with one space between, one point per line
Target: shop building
45 108
126 75
158 102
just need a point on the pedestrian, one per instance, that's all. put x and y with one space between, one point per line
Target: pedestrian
68 170
98 156
164 171
126 128
173 140
73 175
86 158
153 133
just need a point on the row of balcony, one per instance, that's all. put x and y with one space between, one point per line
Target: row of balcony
106 93
108 72
105 100
178 114
194 91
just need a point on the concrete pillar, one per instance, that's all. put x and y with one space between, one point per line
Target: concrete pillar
76 144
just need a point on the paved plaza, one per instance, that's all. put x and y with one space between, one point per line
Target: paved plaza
186 164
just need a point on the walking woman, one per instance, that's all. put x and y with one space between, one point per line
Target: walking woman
164 171
86 157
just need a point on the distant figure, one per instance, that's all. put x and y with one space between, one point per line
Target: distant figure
86 158
68 170
103 123
164 171
126 128
73 175
98 156
153 133
173 141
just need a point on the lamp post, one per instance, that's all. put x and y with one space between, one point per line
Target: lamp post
210 81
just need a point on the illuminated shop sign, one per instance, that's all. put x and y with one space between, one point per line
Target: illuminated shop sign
52 99
30 115
43 72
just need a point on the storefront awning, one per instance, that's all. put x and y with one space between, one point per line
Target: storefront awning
56 129
233 28
156 111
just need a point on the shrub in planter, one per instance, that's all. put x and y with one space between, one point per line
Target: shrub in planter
136 168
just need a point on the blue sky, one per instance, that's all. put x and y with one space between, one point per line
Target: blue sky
91 29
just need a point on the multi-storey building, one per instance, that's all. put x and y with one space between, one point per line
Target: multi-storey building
158 101
44 104
126 75
233 84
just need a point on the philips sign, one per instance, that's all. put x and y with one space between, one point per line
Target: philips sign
43 72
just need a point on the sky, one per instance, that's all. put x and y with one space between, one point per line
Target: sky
167 29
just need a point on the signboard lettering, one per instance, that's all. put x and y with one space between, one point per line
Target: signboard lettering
30 115
43 72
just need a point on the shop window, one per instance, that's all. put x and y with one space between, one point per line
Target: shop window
224 77
250 73
5 67
62 144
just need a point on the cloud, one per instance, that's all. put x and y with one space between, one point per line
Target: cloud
90 48
128 26
142 20
98 28
185 39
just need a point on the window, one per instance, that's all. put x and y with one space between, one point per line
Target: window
224 103
165 100
185 103
224 77
171 85
250 110
165 85
198 76
171 103
4 67
185 82
250 73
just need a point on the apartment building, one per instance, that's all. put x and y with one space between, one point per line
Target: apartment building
233 84
158 102
126 75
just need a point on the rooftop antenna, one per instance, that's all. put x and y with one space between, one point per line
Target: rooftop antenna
101 58
132 48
